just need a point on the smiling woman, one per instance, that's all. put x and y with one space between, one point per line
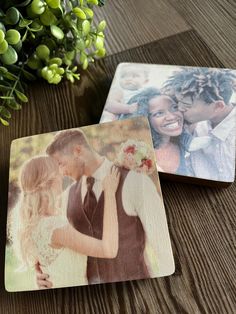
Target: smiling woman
166 123
165 116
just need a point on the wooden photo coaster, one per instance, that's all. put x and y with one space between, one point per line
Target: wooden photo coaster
192 115
86 208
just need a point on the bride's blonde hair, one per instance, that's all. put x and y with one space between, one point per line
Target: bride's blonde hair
37 197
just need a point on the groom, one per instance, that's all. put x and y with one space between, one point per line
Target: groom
204 97
137 209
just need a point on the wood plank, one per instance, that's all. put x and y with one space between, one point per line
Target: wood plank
201 220
214 20
134 23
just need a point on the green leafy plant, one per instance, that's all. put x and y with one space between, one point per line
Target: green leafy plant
46 39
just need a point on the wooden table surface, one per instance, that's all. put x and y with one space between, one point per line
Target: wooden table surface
202 221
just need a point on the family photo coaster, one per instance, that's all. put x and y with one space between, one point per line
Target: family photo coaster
85 207
192 115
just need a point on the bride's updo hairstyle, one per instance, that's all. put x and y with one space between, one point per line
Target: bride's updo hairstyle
37 174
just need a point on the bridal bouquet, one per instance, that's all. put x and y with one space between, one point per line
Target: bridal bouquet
137 156
44 38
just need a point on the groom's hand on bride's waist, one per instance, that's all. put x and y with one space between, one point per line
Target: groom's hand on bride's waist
42 279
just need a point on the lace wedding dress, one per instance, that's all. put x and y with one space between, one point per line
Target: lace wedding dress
64 266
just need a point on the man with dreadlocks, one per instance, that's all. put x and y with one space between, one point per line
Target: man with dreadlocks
205 98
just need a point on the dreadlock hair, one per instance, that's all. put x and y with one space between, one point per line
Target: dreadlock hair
210 85
142 99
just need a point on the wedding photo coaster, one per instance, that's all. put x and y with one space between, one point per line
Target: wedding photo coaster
85 207
192 115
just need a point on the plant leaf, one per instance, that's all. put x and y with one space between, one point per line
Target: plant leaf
12 16
25 35
4 112
18 46
4 122
6 97
23 4
57 32
48 18
4 88
36 29
2 27
11 76
21 96
10 56
54 4
13 105
24 22
12 37
3 70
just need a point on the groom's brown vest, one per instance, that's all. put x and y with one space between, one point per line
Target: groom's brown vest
129 263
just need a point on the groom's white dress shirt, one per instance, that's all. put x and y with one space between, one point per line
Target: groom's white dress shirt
216 161
140 198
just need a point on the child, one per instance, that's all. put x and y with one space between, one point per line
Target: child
132 80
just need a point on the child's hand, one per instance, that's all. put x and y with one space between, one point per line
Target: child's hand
133 107
111 181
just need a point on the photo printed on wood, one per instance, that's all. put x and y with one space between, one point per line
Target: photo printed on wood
191 111
85 207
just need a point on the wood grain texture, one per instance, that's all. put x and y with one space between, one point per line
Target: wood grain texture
201 220
215 22
134 23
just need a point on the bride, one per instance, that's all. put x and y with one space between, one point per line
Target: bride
44 236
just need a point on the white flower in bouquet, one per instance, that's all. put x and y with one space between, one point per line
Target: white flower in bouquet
137 156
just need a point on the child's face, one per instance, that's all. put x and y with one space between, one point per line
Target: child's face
195 110
132 79
165 116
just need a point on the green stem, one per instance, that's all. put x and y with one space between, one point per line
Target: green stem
15 84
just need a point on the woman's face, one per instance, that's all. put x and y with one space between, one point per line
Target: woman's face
165 116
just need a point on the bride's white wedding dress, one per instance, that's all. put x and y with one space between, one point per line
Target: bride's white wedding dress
64 266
